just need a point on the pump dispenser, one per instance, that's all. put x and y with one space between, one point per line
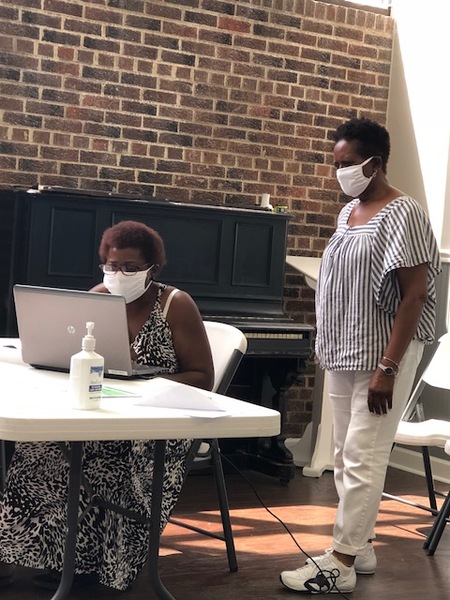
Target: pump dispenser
86 374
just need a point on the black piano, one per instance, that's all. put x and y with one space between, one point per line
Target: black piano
230 260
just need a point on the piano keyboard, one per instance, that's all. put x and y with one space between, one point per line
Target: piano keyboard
260 335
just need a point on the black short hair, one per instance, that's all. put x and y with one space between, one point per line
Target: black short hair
133 234
372 138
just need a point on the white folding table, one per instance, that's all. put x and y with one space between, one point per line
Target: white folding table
35 406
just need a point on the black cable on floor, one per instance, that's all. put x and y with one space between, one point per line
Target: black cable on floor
325 579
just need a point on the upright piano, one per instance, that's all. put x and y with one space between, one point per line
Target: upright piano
231 260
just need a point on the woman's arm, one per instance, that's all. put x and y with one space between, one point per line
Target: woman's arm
100 287
413 283
190 342
189 339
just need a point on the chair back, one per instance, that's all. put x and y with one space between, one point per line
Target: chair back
437 372
228 346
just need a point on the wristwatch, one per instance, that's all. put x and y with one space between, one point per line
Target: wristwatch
388 370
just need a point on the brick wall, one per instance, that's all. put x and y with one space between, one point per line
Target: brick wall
205 101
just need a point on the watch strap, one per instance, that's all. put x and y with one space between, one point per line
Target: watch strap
390 371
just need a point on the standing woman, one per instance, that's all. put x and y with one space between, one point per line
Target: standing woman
166 330
375 307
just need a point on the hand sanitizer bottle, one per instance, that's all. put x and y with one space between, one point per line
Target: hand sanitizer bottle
86 374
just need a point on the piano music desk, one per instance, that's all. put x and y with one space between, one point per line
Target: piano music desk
314 451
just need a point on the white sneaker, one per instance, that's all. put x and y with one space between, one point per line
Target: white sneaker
330 576
365 562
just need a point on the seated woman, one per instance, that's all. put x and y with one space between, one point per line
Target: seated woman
165 329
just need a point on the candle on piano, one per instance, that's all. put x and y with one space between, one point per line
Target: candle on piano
265 202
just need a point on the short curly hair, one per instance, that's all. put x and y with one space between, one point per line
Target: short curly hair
372 138
133 234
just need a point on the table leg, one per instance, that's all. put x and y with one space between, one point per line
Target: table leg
155 524
323 455
73 502
3 463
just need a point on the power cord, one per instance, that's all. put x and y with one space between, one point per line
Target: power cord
325 581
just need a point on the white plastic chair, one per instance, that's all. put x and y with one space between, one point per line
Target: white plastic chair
441 520
228 346
428 433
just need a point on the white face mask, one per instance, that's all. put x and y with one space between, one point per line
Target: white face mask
131 287
352 179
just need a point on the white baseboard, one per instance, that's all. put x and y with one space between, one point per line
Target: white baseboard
411 462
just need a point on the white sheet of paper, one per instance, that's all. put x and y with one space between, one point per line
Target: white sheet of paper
192 401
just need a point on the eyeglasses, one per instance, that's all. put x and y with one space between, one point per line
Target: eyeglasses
126 268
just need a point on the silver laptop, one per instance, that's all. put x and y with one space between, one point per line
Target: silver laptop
52 323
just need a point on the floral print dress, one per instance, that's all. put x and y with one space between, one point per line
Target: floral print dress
33 508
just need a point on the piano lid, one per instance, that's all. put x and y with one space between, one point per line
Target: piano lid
231 260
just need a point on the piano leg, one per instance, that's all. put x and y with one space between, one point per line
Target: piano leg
264 381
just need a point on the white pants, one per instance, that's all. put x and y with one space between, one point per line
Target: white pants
363 443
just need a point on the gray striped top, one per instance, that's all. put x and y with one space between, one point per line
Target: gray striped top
358 293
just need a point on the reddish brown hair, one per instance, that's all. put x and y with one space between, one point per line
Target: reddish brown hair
133 234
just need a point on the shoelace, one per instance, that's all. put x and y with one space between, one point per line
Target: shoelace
323 582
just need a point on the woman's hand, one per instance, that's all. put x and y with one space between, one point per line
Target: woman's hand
379 399
413 289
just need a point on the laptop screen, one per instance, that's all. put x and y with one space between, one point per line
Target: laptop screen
52 322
